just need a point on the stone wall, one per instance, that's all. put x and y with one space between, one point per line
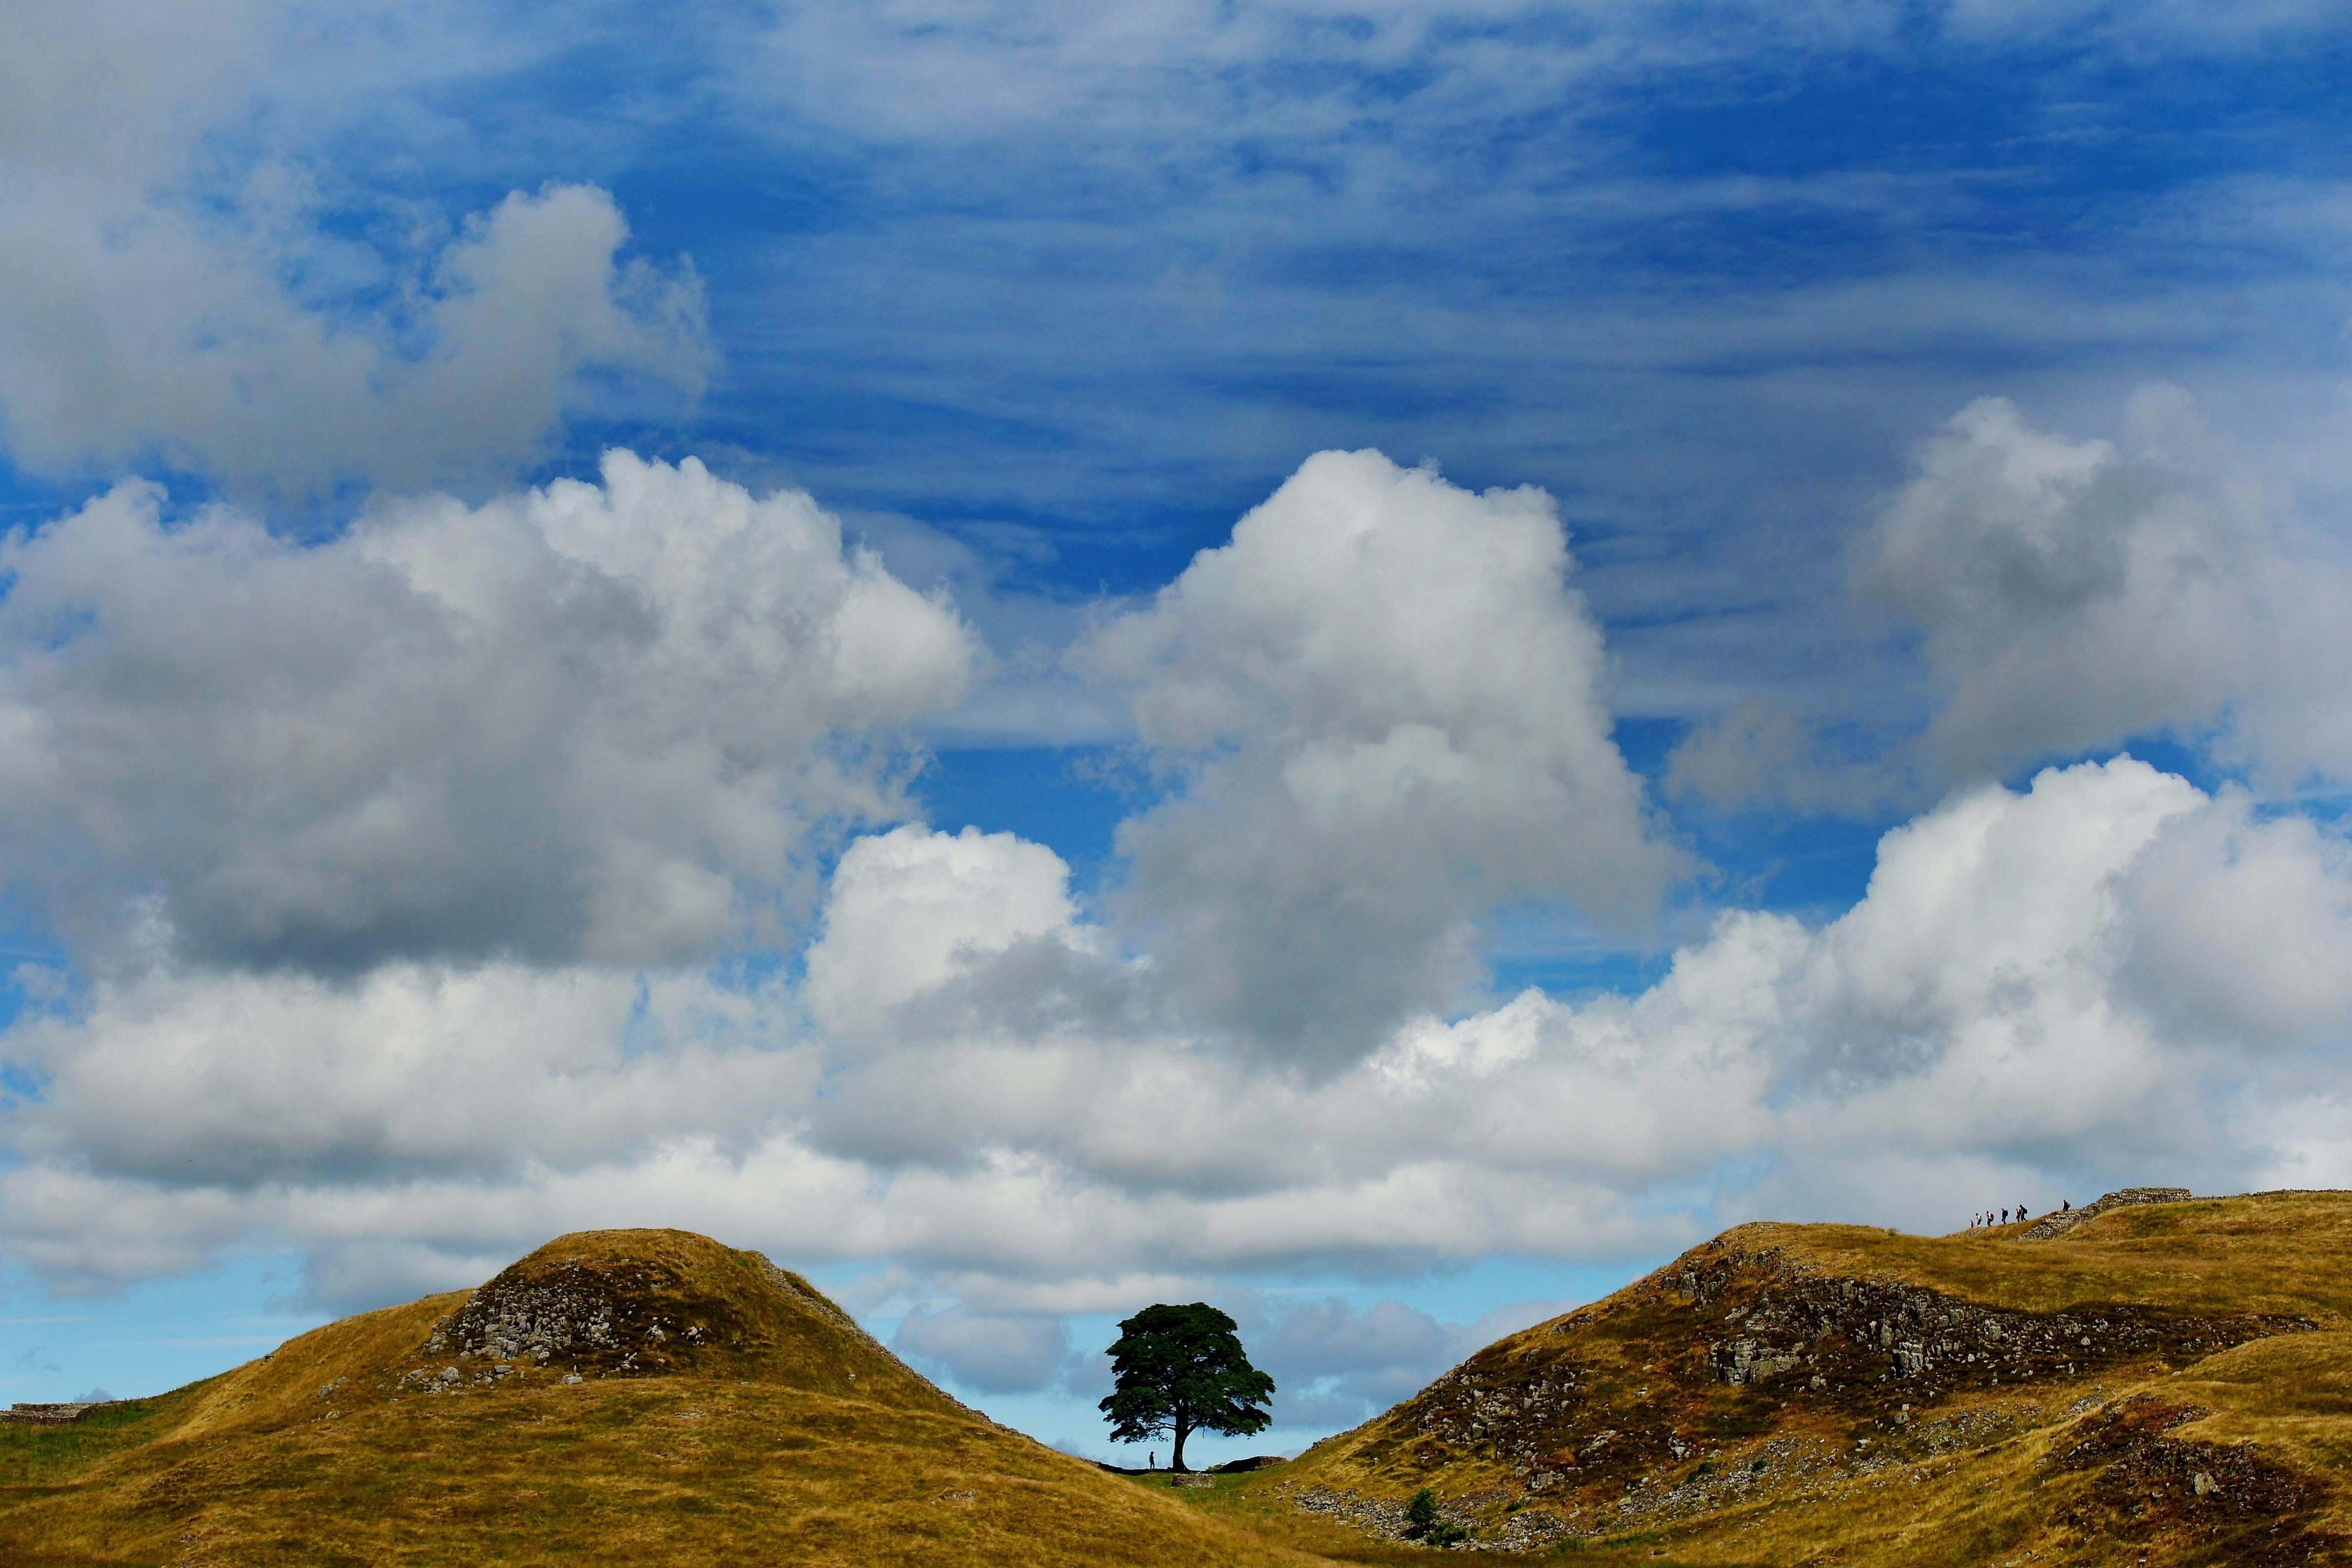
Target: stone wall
2056 1224
49 1414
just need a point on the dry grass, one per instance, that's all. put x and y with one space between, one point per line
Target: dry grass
805 1443
2268 1252
791 1438
2007 1492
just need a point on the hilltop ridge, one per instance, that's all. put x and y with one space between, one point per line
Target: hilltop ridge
618 1397
2166 1382
1755 1399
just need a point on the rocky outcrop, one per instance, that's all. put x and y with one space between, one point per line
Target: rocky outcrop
619 1317
2223 1501
650 1304
1784 1320
1657 1381
2051 1227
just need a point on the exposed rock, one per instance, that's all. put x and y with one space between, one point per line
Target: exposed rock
1847 1332
1386 1520
1574 1424
2222 1498
622 1317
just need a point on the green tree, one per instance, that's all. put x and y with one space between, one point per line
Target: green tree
1424 1523
1181 1370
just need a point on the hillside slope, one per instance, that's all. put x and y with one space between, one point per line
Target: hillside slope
618 1397
2164 1383
2167 1382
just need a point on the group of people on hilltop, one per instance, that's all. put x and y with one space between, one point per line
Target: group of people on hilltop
1985 1219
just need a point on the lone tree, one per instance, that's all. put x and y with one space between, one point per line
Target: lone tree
1181 1370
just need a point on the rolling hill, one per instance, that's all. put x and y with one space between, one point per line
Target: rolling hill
2163 1382
2166 1382
618 1397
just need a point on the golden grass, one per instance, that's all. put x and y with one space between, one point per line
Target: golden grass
799 1440
772 1453
2267 1252
2006 1499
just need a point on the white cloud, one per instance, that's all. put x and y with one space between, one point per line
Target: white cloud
2045 985
2238 928
2069 595
188 278
908 910
129 336
242 1082
589 720
2073 593
598 722
1383 697
2007 1009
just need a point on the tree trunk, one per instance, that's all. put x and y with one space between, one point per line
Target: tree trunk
1182 1427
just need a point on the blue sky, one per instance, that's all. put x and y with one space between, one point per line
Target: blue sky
1817 696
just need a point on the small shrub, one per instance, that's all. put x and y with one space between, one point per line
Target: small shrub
1422 1522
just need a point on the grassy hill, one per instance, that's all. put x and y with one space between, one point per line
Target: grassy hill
2165 1384
723 1412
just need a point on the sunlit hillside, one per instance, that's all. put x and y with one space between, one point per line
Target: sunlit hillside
2169 1383
2166 1383
618 1396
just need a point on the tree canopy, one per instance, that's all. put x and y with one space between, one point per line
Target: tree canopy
1181 1370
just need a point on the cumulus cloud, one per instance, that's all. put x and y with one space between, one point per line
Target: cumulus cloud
177 285
909 910
600 720
1384 698
242 1081
591 721
2005 1012
2073 593
2068 595
2052 981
